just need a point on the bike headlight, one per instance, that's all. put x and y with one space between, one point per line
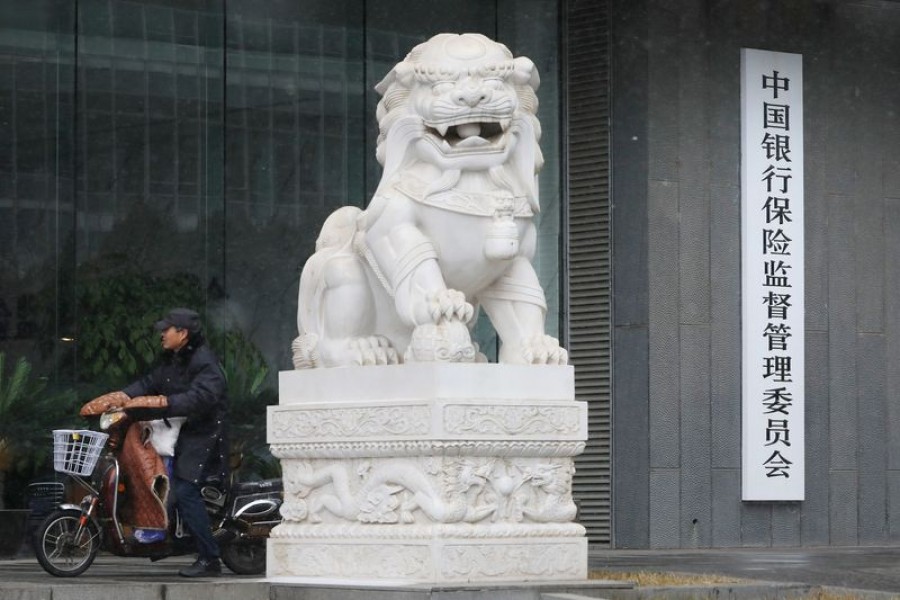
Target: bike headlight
109 419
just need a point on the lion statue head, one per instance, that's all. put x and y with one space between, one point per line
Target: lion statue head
462 103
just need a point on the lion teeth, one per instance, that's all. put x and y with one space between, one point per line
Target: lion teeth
504 124
442 129
473 142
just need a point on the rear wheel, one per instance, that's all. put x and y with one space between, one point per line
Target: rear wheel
245 557
62 548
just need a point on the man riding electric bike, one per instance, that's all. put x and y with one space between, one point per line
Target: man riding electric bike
185 391
68 539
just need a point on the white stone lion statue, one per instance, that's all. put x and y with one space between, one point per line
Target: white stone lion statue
450 228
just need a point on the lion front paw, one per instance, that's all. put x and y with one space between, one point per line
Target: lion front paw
539 350
373 350
449 305
361 351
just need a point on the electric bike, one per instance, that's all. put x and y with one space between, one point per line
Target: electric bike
241 513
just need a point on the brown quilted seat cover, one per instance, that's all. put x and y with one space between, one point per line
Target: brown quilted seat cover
147 484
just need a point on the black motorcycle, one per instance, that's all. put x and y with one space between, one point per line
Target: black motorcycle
67 541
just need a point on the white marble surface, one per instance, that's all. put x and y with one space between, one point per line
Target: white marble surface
429 472
427 401
427 380
435 561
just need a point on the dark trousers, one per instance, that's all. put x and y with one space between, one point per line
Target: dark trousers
190 506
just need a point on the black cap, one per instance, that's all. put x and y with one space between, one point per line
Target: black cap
182 318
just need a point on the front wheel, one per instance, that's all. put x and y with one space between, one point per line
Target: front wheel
62 547
245 557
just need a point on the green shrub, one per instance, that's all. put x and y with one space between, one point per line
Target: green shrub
29 411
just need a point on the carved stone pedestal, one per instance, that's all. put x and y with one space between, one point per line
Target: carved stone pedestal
428 473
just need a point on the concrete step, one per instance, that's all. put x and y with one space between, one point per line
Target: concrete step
306 590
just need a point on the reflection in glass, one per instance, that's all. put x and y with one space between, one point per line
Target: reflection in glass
36 176
165 152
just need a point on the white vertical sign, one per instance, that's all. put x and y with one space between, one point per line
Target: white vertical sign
772 275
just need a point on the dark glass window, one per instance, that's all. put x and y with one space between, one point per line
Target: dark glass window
186 152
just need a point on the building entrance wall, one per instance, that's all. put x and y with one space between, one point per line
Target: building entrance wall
677 331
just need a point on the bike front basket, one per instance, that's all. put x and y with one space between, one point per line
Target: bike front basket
76 451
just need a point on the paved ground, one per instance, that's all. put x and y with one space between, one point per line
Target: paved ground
106 568
874 569
115 578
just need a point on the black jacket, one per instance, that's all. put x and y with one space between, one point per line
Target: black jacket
195 386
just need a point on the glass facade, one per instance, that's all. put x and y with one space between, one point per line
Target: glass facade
186 152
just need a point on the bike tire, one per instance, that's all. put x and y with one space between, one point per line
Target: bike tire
56 549
245 557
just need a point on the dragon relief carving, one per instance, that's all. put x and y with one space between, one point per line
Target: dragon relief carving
450 230
458 490
554 503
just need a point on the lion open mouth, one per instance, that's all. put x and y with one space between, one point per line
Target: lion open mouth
469 135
